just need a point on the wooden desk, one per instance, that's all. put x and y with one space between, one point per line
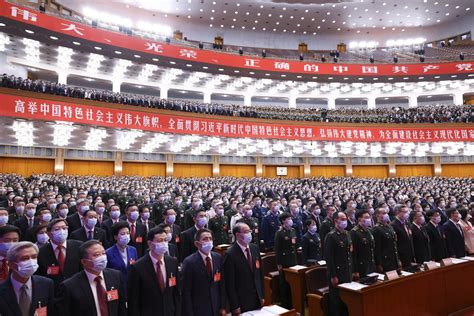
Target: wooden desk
436 292
221 249
297 281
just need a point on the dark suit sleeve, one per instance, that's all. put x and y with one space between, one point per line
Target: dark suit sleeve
378 247
187 286
355 266
62 301
277 247
133 290
328 256
176 292
184 249
304 249
122 296
449 242
229 278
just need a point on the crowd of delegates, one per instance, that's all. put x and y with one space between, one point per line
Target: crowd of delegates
89 245
437 113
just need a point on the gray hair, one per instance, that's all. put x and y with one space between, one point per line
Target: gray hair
12 253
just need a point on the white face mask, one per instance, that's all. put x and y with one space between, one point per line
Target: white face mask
27 268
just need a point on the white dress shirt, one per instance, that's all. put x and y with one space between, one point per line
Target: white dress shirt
93 284
162 266
17 288
56 250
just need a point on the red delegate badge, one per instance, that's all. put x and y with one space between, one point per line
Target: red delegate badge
53 270
112 295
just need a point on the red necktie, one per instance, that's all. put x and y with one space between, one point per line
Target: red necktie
159 275
209 266
61 258
101 297
132 232
249 259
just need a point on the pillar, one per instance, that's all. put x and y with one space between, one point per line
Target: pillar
371 103
292 101
116 85
247 100
259 167
207 97
59 161
331 103
458 98
164 92
62 77
412 101
216 171
437 166
392 168
306 167
169 165
348 164
118 163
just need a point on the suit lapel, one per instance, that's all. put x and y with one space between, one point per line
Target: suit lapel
242 256
8 294
86 289
151 272
118 256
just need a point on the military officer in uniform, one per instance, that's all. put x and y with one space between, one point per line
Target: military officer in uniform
385 253
270 225
363 246
338 256
311 243
180 208
327 225
218 226
285 252
252 222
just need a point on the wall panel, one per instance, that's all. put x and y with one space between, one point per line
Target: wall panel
183 170
293 172
239 171
328 171
457 170
88 167
414 170
370 171
144 169
26 166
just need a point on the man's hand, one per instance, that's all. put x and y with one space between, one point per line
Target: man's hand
355 276
379 269
222 312
262 302
334 281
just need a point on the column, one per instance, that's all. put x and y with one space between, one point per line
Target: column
348 164
292 101
118 163
458 98
412 101
164 92
306 167
169 165
437 166
247 100
371 103
59 161
259 167
62 77
216 166
116 85
392 168
331 103
207 97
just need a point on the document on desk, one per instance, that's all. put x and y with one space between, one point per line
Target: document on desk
380 277
322 262
297 267
458 260
353 286
406 273
267 311
468 258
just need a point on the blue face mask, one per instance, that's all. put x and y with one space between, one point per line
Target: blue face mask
206 246
91 222
42 238
123 240
202 221
247 238
100 263
171 219
160 248
59 236
134 215
4 247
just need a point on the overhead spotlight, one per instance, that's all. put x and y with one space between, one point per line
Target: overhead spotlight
372 60
395 59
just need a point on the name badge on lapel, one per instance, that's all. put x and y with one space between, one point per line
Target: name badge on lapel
257 264
112 295
172 281
217 277
52 270
139 239
41 311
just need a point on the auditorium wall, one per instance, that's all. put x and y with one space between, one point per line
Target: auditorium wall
239 171
144 169
414 170
26 166
292 172
182 170
327 171
88 167
377 171
458 170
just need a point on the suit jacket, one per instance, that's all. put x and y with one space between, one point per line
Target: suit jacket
75 296
107 226
454 240
187 246
140 239
244 286
198 286
145 297
22 224
151 224
42 291
421 244
173 250
115 261
437 242
81 234
73 222
176 232
404 243
47 258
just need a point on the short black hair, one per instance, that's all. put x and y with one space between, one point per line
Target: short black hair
54 222
308 222
360 213
164 225
201 210
154 231
37 229
450 211
130 205
201 231
114 230
283 216
141 207
336 214
431 213
85 246
9 229
236 228
91 209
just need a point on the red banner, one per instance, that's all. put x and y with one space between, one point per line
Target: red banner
47 110
24 15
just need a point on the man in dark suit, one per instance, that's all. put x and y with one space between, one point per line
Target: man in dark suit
454 234
170 219
138 232
187 246
89 230
27 221
144 218
9 235
24 293
326 226
243 275
385 251
75 220
96 290
172 248
404 236
436 236
59 260
421 241
202 279
114 213
153 280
